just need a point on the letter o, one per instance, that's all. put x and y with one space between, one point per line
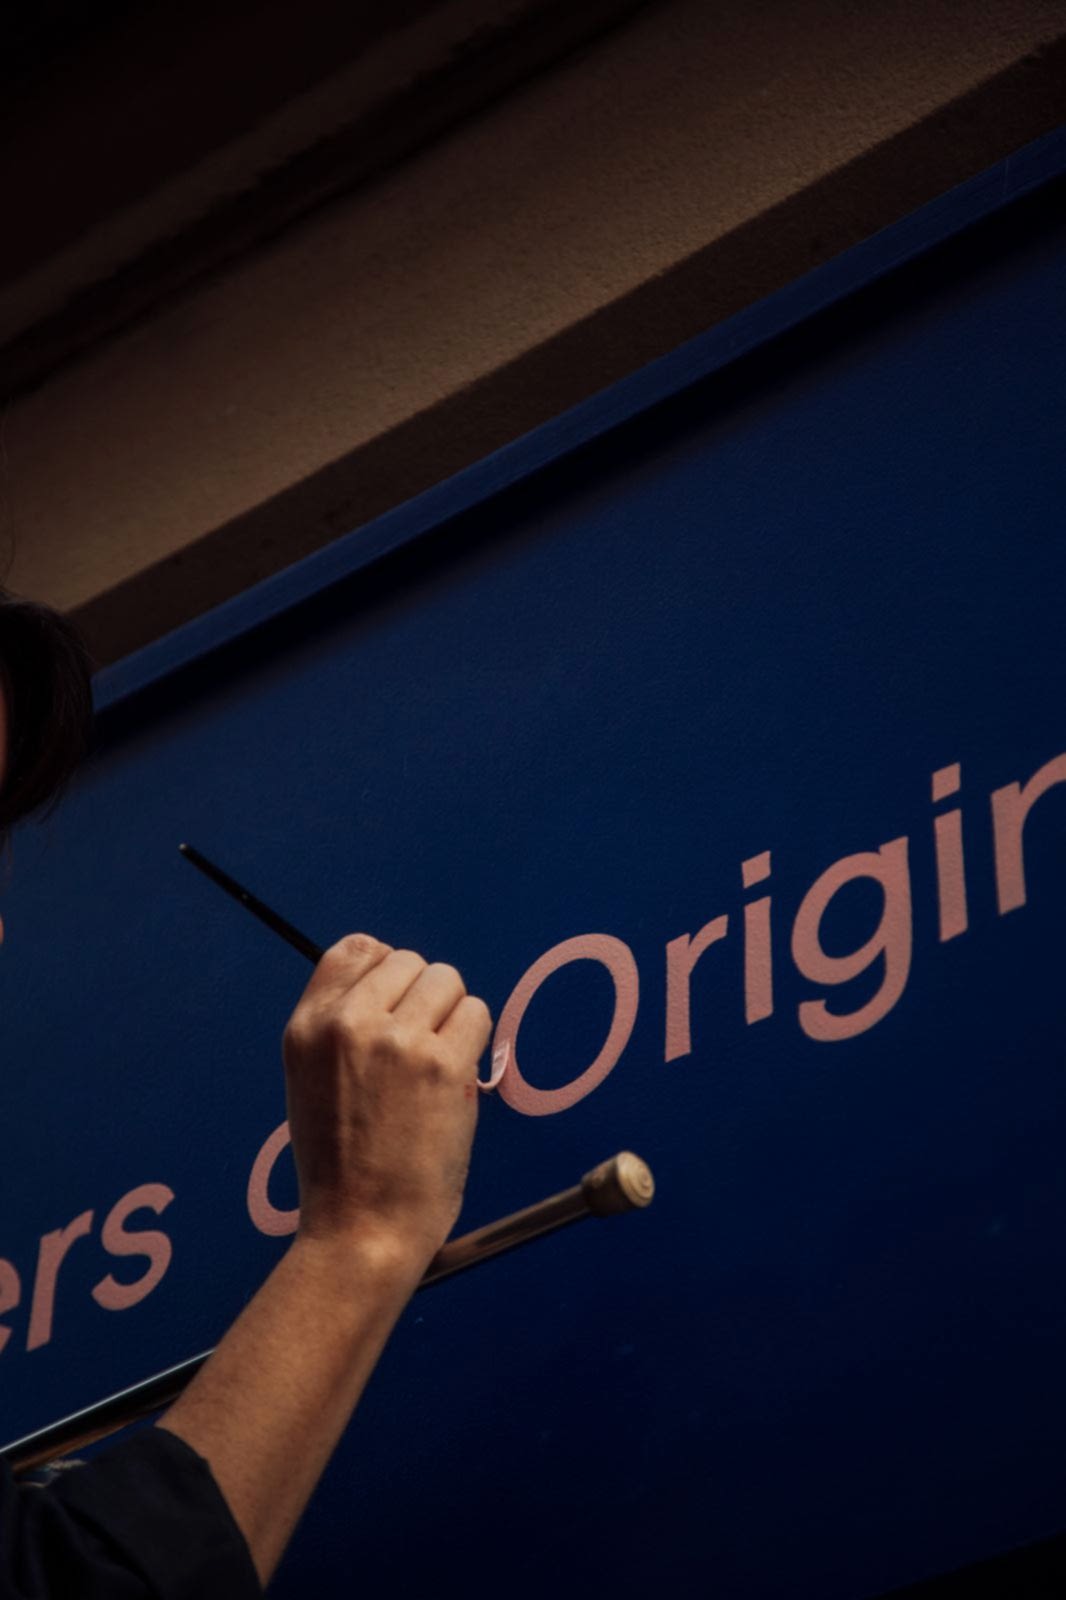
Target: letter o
266 1216
618 959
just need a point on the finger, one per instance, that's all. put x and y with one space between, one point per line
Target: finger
468 1028
344 964
432 997
385 985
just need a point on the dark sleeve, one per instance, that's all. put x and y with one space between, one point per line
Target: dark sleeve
143 1519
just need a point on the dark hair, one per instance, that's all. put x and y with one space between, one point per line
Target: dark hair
46 672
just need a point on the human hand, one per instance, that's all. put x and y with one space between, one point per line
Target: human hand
381 1059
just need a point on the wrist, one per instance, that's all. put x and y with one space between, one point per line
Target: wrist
382 1260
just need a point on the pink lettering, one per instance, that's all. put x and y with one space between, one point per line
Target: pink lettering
10 1295
950 868
1010 808
152 1244
682 954
266 1216
758 952
618 959
50 1257
892 939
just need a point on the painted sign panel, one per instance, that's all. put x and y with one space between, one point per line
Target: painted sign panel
726 756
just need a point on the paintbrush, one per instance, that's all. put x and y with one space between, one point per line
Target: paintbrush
291 935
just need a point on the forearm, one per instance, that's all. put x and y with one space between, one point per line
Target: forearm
381 1061
268 1408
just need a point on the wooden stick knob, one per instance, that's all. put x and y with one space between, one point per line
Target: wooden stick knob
624 1183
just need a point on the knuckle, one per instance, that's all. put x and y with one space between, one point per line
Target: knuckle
347 1029
417 1049
433 1066
409 958
317 1028
297 1035
441 969
398 1044
479 1009
353 947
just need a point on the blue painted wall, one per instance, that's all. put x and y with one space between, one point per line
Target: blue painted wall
759 617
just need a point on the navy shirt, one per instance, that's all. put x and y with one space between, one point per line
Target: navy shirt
143 1519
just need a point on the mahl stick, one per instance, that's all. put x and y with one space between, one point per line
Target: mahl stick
624 1183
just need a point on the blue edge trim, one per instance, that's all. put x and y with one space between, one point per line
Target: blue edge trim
659 380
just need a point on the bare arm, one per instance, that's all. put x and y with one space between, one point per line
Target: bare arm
381 1060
